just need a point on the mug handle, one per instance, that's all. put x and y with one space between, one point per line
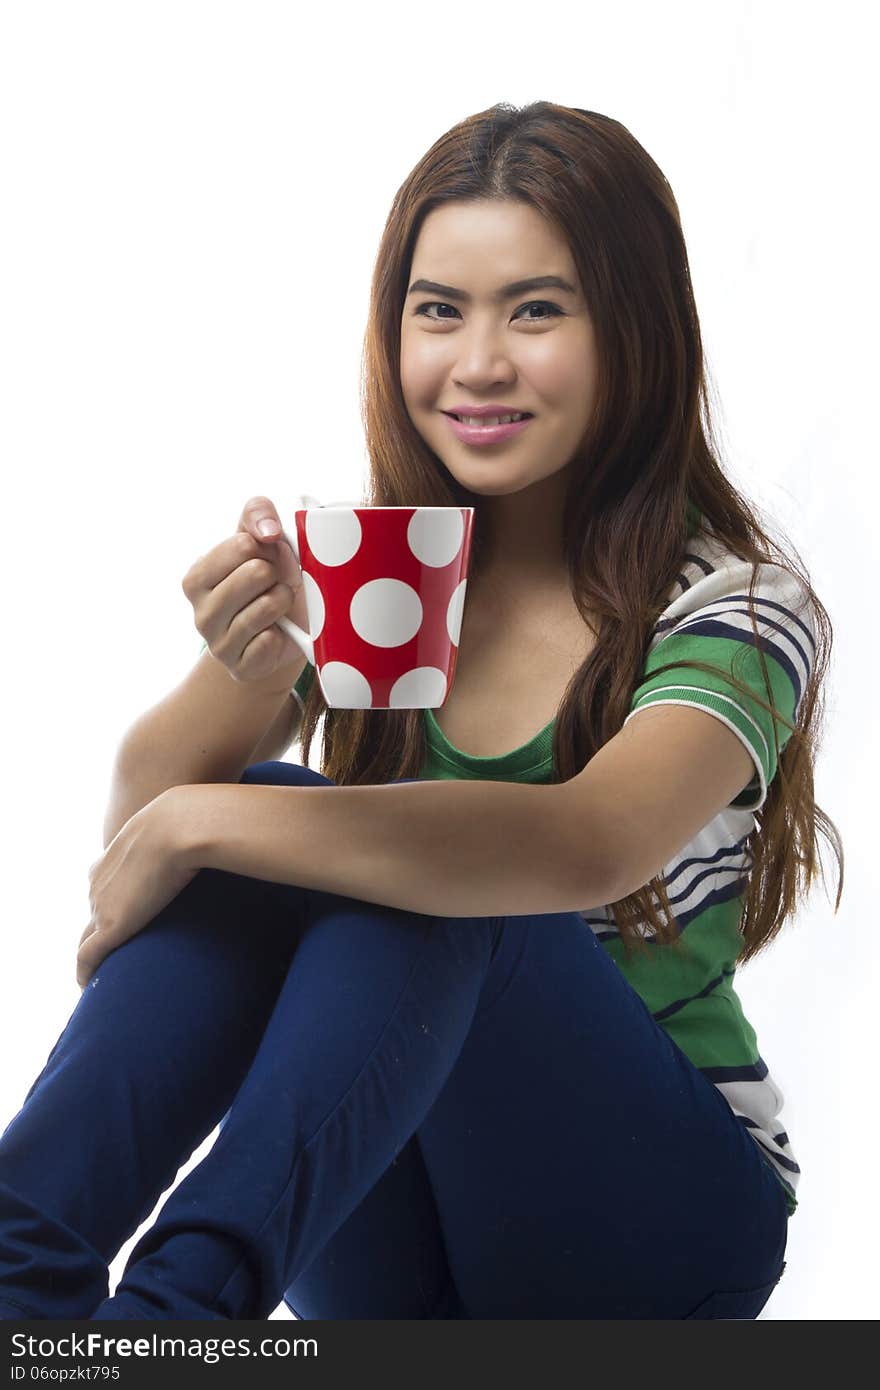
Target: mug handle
296 633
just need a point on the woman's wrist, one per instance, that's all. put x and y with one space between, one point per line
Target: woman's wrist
185 815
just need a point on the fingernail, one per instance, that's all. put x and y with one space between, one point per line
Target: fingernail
267 528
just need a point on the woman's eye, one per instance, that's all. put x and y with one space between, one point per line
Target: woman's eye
532 304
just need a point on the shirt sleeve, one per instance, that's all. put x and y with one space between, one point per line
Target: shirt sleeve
303 682
710 623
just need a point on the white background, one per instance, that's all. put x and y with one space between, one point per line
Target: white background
193 195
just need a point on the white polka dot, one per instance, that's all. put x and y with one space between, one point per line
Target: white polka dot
422 688
333 536
314 606
435 536
386 612
455 612
344 686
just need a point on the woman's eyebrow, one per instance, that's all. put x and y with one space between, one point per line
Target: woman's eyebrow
537 282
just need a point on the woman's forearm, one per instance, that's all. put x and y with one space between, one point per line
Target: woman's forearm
208 729
446 849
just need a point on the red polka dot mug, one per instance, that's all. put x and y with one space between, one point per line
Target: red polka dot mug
384 592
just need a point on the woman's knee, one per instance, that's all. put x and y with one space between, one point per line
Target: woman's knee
281 774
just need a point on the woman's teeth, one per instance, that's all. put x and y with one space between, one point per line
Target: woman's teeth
487 420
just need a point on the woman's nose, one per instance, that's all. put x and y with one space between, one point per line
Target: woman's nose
483 365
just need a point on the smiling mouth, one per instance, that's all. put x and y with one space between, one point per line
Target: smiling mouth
490 421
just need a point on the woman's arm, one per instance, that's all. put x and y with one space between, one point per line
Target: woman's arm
447 849
476 849
208 729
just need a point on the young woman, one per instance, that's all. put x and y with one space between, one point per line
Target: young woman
463 1001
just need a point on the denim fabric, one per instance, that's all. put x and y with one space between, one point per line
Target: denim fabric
420 1117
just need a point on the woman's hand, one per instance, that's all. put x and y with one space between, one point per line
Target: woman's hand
141 871
239 590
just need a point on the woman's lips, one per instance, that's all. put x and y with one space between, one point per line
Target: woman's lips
487 434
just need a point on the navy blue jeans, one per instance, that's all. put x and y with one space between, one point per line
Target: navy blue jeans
420 1117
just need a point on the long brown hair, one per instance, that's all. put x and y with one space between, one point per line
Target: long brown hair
650 458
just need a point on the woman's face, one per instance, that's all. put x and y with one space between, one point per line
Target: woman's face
531 350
